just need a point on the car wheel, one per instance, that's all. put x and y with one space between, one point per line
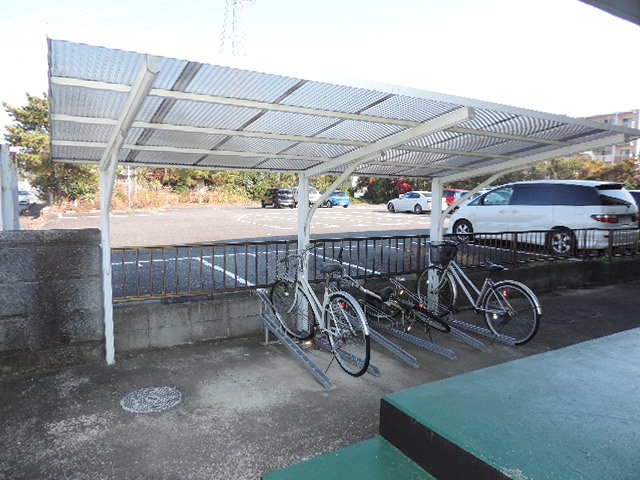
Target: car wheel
390 207
417 209
463 230
292 206
330 205
345 206
263 205
562 241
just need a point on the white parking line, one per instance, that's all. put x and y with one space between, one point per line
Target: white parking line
215 267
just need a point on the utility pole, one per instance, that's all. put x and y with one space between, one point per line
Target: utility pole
233 30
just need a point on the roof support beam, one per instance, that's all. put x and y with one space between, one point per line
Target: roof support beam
506 136
443 122
108 164
358 157
139 91
541 157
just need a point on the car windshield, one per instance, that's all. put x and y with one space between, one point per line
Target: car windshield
340 194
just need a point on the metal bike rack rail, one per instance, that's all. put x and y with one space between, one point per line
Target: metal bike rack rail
351 358
419 342
393 348
291 345
456 333
485 332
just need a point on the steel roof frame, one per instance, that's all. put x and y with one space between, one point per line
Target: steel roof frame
110 107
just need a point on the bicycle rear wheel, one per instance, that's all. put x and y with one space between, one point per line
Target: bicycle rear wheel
430 319
511 309
293 309
348 333
444 289
377 310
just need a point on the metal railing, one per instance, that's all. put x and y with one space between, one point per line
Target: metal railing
142 273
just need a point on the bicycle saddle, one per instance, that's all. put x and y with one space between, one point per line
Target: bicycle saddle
406 304
385 293
494 267
330 267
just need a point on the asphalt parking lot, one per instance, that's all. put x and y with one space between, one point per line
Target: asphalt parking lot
174 226
246 408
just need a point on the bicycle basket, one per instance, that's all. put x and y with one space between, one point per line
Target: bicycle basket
441 253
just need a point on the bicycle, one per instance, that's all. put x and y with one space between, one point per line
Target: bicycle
385 304
510 308
339 317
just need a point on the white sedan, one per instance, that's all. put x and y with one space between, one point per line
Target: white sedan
416 202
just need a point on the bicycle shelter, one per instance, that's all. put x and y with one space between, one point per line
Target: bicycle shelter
115 108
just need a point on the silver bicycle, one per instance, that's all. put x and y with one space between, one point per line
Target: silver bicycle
509 307
338 318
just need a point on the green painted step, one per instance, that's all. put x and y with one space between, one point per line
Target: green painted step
374 459
572 413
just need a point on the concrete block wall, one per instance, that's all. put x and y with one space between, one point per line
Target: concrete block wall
50 298
162 324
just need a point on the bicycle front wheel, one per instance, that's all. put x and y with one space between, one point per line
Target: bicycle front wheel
512 310
348 333
293 309
443 289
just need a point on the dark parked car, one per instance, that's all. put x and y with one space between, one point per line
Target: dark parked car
278 197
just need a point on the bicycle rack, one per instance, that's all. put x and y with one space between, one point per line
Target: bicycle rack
485 332
294 348
458 334
468 339
291 345
372 369
393 348
419 342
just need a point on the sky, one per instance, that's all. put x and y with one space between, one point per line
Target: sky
556 56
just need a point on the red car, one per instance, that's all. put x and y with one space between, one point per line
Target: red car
452 194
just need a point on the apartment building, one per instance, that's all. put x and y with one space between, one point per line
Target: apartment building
618 153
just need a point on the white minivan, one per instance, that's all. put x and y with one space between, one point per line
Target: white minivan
314 195
557 207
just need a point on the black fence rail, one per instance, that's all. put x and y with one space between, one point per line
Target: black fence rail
143 273
522 248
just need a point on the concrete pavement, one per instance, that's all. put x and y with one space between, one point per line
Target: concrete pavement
246 408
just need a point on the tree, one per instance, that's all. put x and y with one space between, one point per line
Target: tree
31 134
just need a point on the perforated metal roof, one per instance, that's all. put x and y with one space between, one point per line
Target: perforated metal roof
156 111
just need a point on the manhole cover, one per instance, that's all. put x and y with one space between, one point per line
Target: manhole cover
151 399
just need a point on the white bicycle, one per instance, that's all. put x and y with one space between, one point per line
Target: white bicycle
509 307
338 318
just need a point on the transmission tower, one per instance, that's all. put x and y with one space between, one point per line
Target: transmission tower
233 29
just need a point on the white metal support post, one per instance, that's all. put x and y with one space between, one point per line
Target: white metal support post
108 165
437 218
9 209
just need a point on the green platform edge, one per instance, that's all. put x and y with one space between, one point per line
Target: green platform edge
564 414
374 459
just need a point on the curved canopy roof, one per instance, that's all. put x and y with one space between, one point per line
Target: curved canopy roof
112 106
